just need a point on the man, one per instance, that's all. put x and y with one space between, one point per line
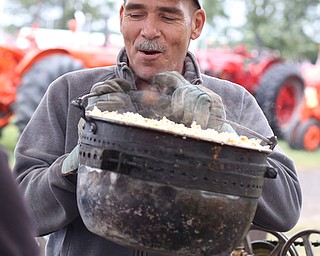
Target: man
157 34
17 231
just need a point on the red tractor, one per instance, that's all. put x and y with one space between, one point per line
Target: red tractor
26 72
277 85
304 133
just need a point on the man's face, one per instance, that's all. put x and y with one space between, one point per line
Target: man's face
157 34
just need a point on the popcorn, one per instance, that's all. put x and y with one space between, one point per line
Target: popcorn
166 125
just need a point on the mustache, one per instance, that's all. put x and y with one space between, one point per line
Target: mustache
151 45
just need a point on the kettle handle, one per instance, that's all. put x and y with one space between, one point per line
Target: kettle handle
81 103
271 142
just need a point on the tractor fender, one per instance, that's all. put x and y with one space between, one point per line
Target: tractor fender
34 56
15 53
265 65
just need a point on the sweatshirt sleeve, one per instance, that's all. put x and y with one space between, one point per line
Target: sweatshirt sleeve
39 154
280 203
279 206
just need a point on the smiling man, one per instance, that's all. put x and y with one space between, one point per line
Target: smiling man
156 76
157 35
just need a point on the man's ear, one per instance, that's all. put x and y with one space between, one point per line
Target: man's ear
198 21
121 13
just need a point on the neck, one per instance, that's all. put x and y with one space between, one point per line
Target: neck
142 84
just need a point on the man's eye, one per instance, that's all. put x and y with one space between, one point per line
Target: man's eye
136 16
168 18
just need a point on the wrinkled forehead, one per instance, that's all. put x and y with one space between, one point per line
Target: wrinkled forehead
196 2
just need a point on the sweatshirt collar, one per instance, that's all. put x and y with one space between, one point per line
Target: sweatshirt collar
191 68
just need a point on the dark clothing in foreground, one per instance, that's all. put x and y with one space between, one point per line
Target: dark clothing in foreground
16 230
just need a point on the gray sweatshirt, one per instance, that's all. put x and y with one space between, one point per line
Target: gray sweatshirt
52 133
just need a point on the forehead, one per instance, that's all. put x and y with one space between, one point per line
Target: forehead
158 3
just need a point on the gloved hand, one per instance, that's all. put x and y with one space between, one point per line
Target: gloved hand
71 162
182 102
156 101
111 95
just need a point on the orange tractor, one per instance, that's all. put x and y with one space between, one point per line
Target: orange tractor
25 73
304 133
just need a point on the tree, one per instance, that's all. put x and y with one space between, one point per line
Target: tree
213 9
281 25
290 26
57 13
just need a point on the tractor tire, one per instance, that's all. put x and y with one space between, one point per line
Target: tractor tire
280 94
308 135
290 136
35 83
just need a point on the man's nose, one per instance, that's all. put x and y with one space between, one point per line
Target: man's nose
151 28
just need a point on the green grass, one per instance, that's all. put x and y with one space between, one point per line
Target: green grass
9 139
304 160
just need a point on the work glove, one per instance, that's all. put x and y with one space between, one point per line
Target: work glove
71 163
156 101
110 95
174 97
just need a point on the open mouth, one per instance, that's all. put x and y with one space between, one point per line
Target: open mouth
152 52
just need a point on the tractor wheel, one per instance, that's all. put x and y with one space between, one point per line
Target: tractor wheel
290 135
308 135
279 94
35 83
